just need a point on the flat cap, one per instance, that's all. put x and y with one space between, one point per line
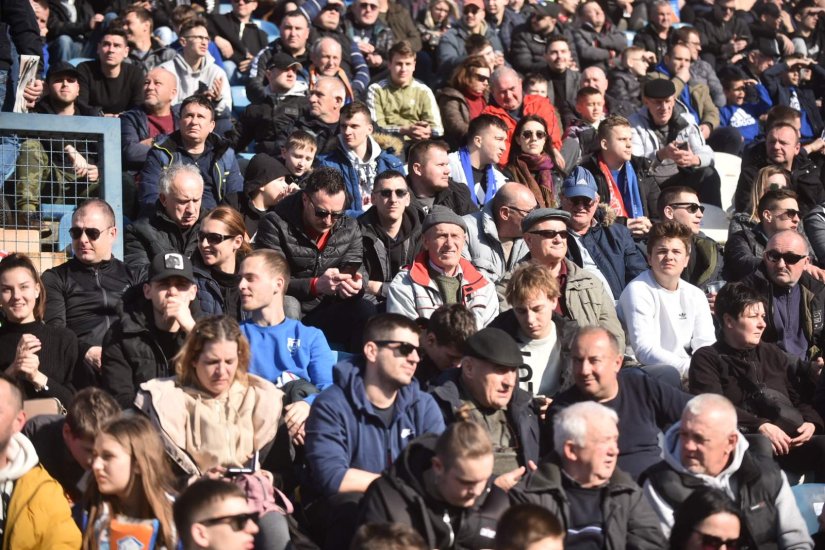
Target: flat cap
547 9
541 214
442 214
494 346
659 88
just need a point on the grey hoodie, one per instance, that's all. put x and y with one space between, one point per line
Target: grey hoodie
22 458
189 80
793 534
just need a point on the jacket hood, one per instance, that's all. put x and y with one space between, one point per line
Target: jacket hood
22 458
375 151
721 481
370 224
184 68
174 142
471 278
348 375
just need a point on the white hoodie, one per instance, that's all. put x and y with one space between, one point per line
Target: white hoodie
22 458
793 534
189 80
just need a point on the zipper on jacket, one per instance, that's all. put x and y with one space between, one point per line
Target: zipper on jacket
103 292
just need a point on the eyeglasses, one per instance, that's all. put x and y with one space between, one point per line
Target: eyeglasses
709 542
788 214
321 214
550 233
92 232
520 210
387 193
789 258
481 77
691 207
214 239
368 6
196 37
236 522
580 201
471 10
404 348
538 134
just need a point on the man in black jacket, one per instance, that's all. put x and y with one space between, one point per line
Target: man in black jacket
530 38
428 169
238 38
83 294
174 225
109 82
724 35
325 254
442 487
151 328
655 37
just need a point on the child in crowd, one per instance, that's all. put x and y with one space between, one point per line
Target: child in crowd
625 80
298 156
581 139
737 113
535 84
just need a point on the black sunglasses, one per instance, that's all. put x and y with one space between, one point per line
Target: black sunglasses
236 522
549 233
581 201
790 258
691 207
387 193
528 134
92 232
214 239
788 214
320 213
710 542
481 77
334 7
405 348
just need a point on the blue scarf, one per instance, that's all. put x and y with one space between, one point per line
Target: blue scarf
629 185
684 97
467 166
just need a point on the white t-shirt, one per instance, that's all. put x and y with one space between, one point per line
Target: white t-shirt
544 359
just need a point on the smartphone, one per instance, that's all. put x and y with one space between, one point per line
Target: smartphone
232 472
683 145
350 268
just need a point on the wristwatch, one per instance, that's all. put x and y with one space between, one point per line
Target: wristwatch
44 387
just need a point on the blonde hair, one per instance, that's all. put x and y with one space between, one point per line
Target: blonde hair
209 330
760 187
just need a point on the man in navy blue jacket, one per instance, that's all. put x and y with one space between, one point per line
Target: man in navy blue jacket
359 425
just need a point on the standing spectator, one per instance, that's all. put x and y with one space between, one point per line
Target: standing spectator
428 169
656 35
451 48
725 37
463 99
146 51
597 42
474 165
530 39
109 82
238 38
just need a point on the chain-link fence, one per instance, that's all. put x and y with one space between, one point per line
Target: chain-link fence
48 165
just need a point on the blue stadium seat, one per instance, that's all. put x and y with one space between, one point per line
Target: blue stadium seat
64 240
630 35
809 498
239 99
55 211
224 8
78 60
271 29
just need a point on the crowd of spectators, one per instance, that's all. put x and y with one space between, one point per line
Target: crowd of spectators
438 280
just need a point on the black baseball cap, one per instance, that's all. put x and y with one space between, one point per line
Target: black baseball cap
170 264
62 68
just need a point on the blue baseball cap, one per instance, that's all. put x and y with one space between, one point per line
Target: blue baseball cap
580 183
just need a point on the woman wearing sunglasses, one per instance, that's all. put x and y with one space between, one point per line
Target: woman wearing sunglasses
531 161
218 420
768 178
130 494
222 245
464 99
41 358
707 520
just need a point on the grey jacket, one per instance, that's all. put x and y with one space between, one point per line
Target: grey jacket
703 72
452 51
483 247
589 303
646 142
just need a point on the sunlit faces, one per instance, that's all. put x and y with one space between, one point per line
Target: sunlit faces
538 87
390 197
661 110
745 332
327 57
87 250
195 43
259 284
618 145
479 81
11 419
490 385
355 130
330 16
183 201
298 160
705 446
782 145
591 107
684 209
294 33
735 92
243 8
112 50
222 535
444 243
159 88
223 253
64 88
670 257
326 99
593 14
166 291
544 249
112 467
582 210
366 12
435 169
783 216
196 123
18 295
596 459
135 28
507 91
491 142
535 315
722 526
679 59
330 206
594 77
401 69
781 270
662 17
595 366
532 138
635 61
465 480
473 16
558 56
394 367
216 367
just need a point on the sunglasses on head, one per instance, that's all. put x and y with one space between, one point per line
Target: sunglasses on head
404 348
709 542
387 193
790 258
236 522
92 232
549 233
214 239
691 207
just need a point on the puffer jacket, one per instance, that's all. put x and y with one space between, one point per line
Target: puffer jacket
216 298
527 50
407 493
413 293
716 36
282 230
629 520
259 121
217 164
626 85
134 128
455 115
377 245
593 48
483 248
509 23
743 253
649 39
158 234
452 51
681 126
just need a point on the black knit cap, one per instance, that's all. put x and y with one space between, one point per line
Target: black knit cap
262 169
494 346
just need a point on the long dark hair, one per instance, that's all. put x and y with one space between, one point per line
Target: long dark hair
22 261
515 148
703 503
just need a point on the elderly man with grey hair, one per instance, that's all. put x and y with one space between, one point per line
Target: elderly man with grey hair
706 449
173 226
599 504
326 56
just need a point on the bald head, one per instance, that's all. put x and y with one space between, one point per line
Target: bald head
160 88
510 204
594 77
792 240
327 98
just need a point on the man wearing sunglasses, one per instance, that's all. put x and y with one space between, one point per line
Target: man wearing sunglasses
362 423
369 33
452 49
213 514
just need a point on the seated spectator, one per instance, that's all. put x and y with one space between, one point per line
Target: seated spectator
792 296
358 157
174 225
324 250
196 144
485 390
778 211
370 33
724 35
755 375
667 319
503 20
362 422
529 527
582 297
237 414
146 51
562 74
478 45
70 31
536 84
298 156
42 359
624 80
506 87
222 244
391 231
326 57
681 157
321 118
64 444
531 161
435 479
291 355
387 536
599 246
767 179
293 41
596 40
432 22
616 174
74 167
707 514
706 264
644 405
153 118
580 135
178 17
213 514
529 40
35 503
84 293
401 105
108 82
587 482
132 485
151 328
737 113
475 164
656 35
238 38
428 173
596 77
794 82
452 50
700 70
463 99
494 244
442 342
439 275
